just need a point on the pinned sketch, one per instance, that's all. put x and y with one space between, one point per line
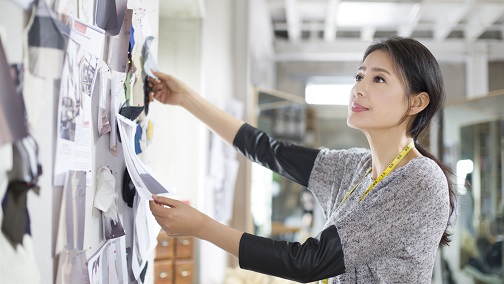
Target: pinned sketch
73 146
73 209
143 178
108 265
72 268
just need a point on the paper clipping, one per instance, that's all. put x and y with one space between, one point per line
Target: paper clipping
73 146
143 179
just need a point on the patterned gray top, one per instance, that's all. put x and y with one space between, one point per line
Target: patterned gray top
392 236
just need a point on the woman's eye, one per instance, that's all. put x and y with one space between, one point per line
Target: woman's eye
358 77
379 79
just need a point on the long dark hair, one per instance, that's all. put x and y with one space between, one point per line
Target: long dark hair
420 72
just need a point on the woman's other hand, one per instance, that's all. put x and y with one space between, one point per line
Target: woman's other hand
176 217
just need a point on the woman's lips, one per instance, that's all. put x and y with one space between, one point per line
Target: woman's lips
358 108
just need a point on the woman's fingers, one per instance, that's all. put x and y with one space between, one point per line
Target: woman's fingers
165 200
157 209
161 76
157 87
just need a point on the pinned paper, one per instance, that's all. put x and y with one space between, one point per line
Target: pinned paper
110 15
72 267
104 106
106 195
149 63
72 213
118 46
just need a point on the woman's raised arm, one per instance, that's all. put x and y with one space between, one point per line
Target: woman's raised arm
169 90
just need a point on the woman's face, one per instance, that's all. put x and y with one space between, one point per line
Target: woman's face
378 100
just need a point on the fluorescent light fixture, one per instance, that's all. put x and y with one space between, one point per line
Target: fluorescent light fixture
328 90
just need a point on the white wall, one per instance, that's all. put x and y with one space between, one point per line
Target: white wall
218 83
11 30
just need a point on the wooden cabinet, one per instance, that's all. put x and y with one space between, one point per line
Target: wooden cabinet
173 262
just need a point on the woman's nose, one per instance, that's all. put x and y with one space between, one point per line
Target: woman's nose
357 90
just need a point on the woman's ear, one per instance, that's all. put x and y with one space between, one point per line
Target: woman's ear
419 102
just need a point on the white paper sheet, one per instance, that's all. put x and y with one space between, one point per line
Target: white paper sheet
73 146
144 237
106 194
145 182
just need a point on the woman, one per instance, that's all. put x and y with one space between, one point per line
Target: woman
387 208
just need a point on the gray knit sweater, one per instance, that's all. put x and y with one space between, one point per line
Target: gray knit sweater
392 236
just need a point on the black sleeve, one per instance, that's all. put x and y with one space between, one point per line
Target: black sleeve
287 159
317 258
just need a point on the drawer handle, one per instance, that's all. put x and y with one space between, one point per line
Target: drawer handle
186 242
184 273
163 275
165 243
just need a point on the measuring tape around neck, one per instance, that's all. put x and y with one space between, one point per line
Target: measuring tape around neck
387 171
390 167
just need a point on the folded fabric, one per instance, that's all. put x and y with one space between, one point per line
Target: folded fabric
12 109
15 215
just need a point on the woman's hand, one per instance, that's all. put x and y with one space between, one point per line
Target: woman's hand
168 89
178 219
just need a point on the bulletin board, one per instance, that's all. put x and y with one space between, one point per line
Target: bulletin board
97 53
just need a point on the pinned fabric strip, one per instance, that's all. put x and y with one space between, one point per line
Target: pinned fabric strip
15 215
46 43
12 109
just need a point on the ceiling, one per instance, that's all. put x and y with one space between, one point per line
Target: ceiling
340 30
305 29
330 20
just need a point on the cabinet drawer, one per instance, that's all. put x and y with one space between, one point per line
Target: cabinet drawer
166 246
184 247
163 272
184 271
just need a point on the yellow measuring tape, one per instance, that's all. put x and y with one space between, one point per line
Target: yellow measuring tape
387 171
